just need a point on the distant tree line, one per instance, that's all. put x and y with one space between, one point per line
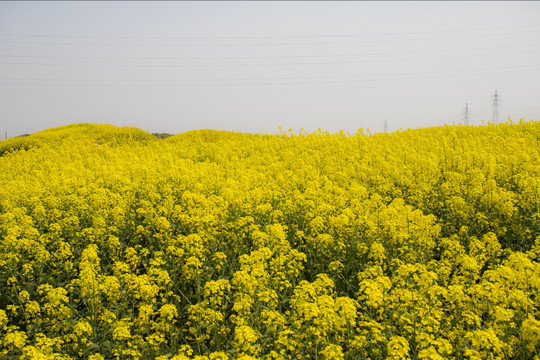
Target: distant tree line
162 135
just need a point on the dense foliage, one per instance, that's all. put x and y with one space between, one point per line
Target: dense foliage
162 135
420 244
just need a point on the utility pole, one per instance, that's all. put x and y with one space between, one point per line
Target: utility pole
385 125
496 101
466 115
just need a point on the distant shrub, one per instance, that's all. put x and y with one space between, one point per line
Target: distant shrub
162 135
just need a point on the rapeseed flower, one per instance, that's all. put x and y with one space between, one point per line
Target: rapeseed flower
216 245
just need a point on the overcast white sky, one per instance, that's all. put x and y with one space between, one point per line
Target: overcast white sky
252 66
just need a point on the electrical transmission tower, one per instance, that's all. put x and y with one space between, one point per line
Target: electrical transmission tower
385 125
496 101
466 115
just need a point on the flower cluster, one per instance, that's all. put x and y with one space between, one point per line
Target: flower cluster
209 245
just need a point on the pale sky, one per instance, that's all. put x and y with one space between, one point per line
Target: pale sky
253 66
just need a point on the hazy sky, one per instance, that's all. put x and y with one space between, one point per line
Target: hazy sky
252 66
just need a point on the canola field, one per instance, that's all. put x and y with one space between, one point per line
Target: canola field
211 245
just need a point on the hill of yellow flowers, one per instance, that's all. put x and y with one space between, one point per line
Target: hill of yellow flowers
213 245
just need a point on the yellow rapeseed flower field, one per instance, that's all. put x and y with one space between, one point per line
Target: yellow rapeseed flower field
212 245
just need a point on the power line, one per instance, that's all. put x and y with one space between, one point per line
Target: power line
331 80
532 48
260 44
262 37
234 87
123 65
382 75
